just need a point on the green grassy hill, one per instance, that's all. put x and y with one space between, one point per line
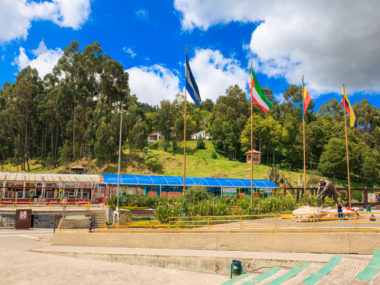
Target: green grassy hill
199 163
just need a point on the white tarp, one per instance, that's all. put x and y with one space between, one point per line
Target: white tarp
50 178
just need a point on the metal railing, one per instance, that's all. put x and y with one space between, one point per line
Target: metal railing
321 222
51 205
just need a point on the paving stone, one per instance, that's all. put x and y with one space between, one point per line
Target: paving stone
345 271
312 268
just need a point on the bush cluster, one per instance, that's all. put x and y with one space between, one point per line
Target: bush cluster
133 201
197 202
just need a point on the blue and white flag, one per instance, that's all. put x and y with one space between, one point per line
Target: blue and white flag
191 85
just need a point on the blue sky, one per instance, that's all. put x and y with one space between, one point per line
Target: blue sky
283 39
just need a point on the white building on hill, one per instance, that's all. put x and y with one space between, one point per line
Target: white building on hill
155 136
201 134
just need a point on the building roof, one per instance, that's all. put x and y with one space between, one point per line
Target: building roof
199 132
77 167
151 180
253 151
49 178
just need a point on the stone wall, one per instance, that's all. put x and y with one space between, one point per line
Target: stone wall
43 221
40 219
320 242
77 223
7 220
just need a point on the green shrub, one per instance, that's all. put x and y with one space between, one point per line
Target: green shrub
174 146
153 164
165 210
196 194
213 155
154 145
111 202
165 144
197 202
147 201
200 143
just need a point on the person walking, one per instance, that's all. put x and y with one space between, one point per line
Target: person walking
340 210
90 226
64 203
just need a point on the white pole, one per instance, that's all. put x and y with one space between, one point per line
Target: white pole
3 190
118 165
23 189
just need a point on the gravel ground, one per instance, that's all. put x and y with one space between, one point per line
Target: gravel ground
20 266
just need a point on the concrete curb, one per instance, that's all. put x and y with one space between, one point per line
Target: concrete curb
204 264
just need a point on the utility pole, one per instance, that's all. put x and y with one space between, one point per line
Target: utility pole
121 111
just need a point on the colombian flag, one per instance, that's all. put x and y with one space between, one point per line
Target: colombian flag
346 105
306 100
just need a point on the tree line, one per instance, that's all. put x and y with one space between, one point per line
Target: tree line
69 114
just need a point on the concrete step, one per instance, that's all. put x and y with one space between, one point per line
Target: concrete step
345 271
311 269
255 278
375 280
99 218
238 279
290 274
274 276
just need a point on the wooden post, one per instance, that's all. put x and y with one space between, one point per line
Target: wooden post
184 141
365 194
348 162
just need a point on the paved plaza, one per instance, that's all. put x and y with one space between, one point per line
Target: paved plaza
21 266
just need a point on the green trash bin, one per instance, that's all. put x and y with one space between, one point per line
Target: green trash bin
236 268
368 208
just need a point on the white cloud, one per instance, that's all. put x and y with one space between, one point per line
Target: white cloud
71 13
214 73
129 51
330 42
279 98
44 61
16 15
142 15
153 84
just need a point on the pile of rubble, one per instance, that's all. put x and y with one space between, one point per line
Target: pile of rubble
308 214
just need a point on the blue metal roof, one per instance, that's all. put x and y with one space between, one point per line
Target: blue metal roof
154 180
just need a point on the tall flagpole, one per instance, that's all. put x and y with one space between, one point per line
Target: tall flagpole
304 151
184 141
348 162
251 153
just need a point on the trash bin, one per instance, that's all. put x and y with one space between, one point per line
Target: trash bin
23 219
236 268
368 208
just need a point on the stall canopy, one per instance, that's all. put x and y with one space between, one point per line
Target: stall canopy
49 178
150 180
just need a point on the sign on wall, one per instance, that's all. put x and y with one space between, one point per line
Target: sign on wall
229 191
22 215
